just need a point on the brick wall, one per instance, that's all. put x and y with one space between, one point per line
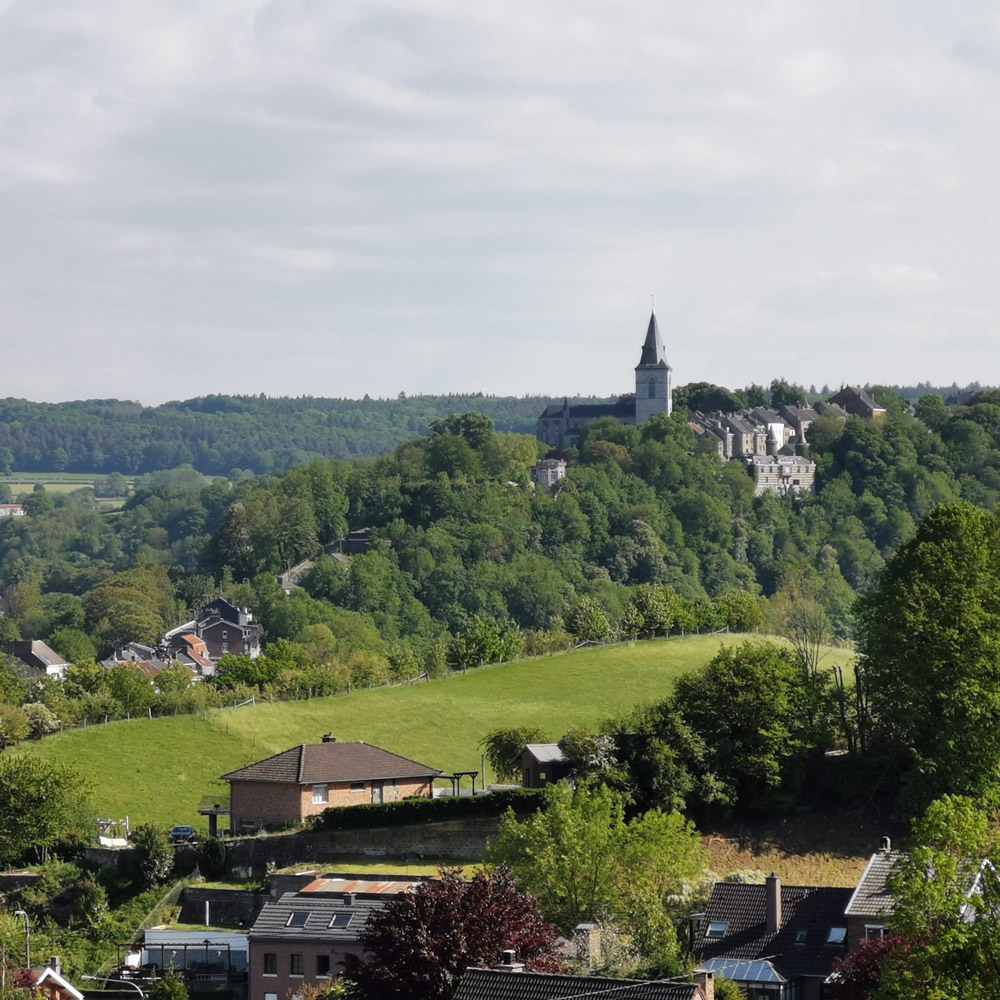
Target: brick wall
269 802
283 983
277 804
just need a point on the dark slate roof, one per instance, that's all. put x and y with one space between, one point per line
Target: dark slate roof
858 393
653 355
495 984
622 408
272 921
309 763
873 897
742 908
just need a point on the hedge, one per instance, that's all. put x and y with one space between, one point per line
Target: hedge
417 810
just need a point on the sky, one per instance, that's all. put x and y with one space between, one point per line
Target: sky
305 197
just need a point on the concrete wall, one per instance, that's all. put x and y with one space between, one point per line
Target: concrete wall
226 907
453 840
122 859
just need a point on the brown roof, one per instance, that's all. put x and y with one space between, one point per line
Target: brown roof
309 763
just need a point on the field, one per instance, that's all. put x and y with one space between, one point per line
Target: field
160 770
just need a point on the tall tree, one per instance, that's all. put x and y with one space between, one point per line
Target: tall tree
42 804
583 861
929 639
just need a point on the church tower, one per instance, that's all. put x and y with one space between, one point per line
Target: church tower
653 392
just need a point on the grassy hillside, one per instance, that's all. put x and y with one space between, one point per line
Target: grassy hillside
161 770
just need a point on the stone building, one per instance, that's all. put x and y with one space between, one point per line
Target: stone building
782 474
560 425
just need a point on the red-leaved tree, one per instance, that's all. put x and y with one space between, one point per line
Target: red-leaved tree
419 945
858 975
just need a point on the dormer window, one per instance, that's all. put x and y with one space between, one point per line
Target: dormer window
837 935
716 929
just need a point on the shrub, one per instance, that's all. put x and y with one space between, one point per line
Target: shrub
419 810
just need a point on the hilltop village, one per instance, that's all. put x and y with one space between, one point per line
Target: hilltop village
770 442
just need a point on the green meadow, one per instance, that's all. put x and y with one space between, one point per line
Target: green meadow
161 770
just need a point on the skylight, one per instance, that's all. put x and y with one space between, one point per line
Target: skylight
716 929
800 935
836 935
342 920
297 919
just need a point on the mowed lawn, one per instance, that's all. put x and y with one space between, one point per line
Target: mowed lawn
161 770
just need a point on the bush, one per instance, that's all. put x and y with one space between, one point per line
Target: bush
521 800
213 858
154 858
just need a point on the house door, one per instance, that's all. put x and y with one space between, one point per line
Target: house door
377 791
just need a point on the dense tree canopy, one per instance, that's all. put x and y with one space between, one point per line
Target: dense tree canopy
929 636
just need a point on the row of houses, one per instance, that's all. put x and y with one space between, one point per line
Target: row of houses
775 941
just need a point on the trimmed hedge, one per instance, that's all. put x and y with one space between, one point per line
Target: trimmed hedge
418 810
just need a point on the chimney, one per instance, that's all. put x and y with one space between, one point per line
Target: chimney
348 899
705 981
54 965
772 902
329 738
886 845
510 963
588 945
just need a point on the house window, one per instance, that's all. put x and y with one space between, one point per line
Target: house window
270 996
837 935
800 935
357 786
322 966
297 919
320 794
297 965
225 647
225 634
874 931
270 963
652 389
342 920
716 929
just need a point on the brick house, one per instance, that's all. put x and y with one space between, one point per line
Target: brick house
305 939
303 781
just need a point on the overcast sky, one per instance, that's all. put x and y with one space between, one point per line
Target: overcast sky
331 197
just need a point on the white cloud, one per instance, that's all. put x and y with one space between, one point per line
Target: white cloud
496 188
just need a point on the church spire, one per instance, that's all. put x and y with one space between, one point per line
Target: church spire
653 355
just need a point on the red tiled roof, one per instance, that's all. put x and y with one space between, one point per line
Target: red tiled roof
309 763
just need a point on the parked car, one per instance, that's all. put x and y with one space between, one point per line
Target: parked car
182 835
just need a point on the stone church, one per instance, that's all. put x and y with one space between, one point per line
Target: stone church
560 425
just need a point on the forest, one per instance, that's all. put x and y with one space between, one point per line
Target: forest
224 435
